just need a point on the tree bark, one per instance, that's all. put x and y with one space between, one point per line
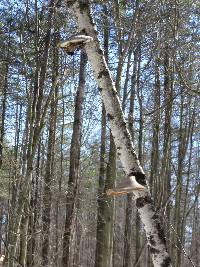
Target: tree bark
58 209
3 114
35 116
46 219
104 238
183 138
155 139
129 201
140 151
74 161
124 146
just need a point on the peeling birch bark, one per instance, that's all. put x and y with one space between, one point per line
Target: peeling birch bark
125 150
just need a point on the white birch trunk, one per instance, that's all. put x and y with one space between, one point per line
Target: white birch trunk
125 150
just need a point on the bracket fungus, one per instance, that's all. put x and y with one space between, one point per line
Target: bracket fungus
128 185
75 42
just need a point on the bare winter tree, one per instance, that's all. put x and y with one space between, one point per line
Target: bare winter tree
131 165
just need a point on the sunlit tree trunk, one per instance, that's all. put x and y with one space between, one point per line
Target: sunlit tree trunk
124 146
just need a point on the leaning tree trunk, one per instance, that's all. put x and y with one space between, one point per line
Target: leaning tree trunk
74 161
122 138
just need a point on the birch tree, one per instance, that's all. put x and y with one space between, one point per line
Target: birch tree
125 150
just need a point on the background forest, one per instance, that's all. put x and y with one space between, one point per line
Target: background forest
57 155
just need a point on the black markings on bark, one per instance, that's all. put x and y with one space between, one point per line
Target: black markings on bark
127 137
100 51
83 31
142 201
155 216
166 262
118 147
70 2
103 73
161 233
119 154
110 117
151 240
84 5
123 124
114 92
159 227
128 142
153 250
140 177
100 89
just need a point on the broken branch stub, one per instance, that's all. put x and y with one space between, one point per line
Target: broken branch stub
75 42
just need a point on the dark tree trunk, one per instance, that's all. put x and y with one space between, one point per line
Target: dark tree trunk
129 201
50 158
3 114
74 161
104 237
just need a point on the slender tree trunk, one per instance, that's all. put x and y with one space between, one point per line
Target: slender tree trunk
104 238
195 235
3 114
35 115
74 161
77 260
50 160
129 201
154 172
57 256
182 148
124 146
155 140
187 186
140 153
168 97
104 247
164 183
100 218
36 210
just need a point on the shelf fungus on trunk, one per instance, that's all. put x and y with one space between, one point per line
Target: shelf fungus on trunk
74 43
128 185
